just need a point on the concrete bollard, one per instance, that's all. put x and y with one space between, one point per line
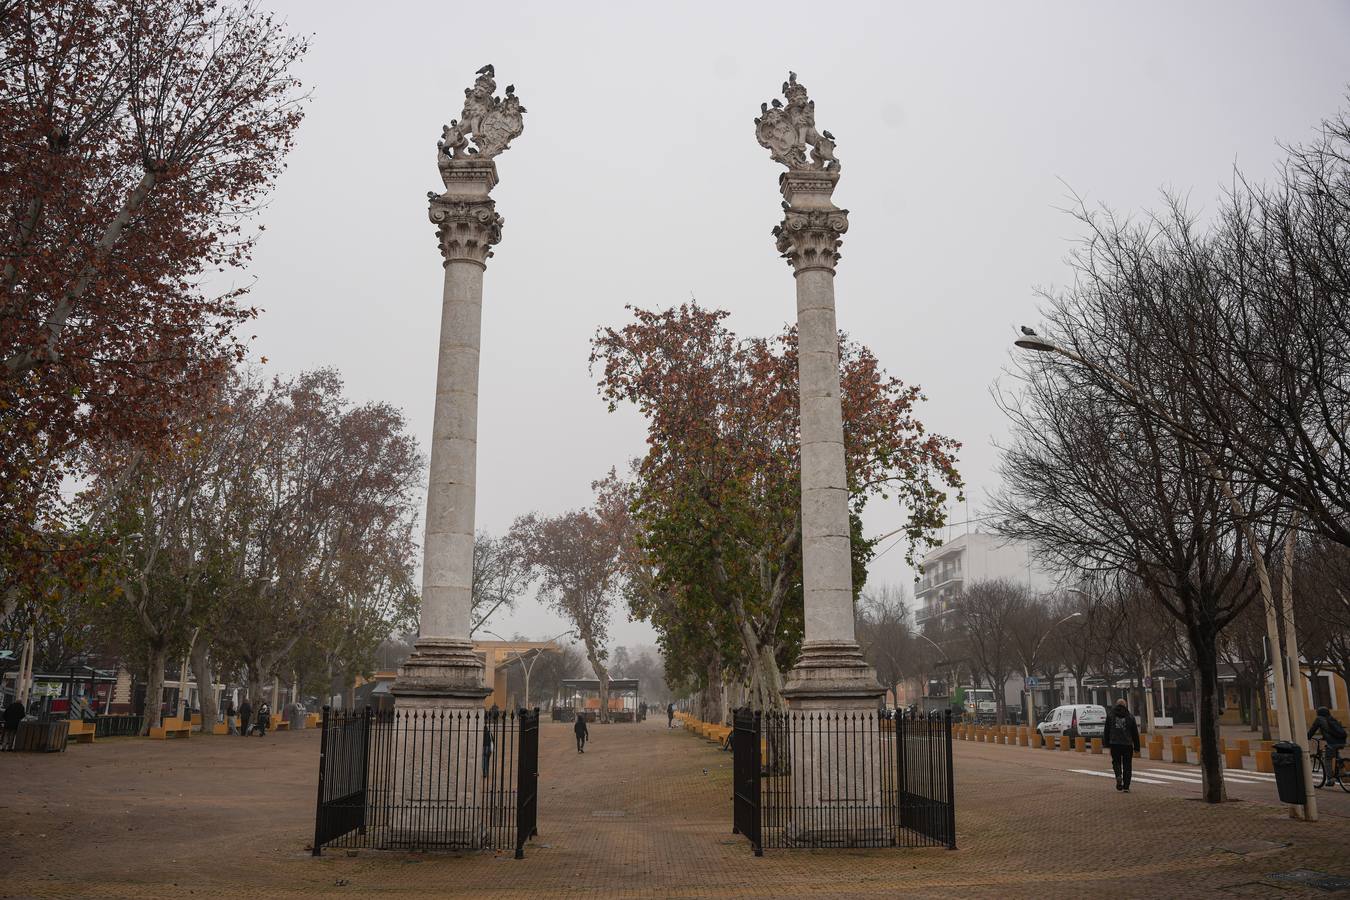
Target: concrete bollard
1097 746
1080 745
1232 758
1263 761
1155 750
1065 743
1268 746
1245 747
1035 738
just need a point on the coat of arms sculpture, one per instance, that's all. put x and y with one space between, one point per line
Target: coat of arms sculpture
492 122
786 131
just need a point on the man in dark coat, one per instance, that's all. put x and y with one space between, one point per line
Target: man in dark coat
14 714
1121 733
582 734
245 713
670 715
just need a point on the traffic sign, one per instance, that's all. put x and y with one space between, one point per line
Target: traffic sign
1031 681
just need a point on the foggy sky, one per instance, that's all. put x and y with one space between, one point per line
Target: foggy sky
962 130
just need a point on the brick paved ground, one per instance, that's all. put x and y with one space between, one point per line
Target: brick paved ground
634 816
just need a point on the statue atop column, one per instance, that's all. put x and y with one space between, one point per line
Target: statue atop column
493 122
786 131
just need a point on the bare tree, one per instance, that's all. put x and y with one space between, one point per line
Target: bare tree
575 557
884 633
987 613
501 574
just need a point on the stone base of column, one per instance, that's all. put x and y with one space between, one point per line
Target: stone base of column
837 762
442 673
832 675
437 743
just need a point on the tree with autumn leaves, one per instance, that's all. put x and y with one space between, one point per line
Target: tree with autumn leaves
715 560
138 138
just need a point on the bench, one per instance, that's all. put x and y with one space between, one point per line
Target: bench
171 727
82 732
313 720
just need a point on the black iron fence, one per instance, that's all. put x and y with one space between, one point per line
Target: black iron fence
427 780
852 779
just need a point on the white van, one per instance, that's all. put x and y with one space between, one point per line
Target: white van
1084 719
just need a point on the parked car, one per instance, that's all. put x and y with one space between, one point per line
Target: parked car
1080 720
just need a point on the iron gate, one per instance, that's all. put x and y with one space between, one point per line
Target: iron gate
344 748
527 781
746 768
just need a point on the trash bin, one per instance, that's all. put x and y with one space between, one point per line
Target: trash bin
1287 760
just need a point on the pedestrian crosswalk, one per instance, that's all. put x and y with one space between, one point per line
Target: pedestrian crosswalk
1181 777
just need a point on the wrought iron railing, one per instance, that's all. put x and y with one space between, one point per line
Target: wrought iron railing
846 779
427 779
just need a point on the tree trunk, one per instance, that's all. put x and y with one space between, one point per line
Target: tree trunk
206 692
1211 766
1263 707
255 690
601 675
154 687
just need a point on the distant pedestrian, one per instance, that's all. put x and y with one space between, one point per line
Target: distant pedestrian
14 714
670 715
1122 736
579 729
264 719
1333 741
245 714
229 716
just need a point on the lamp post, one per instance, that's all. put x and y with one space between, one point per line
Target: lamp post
1291 716
520 658
1026 669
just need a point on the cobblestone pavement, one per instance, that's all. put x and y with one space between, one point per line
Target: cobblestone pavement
645 812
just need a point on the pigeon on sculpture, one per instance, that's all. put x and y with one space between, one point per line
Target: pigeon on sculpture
777 104
827 135
487 70
510 89
1028 332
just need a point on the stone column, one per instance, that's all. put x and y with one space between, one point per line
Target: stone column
832 693
443 671
439 691
831 673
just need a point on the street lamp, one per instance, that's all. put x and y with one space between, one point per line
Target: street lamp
520 657
1026 670
1291 715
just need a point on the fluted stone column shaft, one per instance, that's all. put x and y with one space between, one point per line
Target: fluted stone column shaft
447 554
827 565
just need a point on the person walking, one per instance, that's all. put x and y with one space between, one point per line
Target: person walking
580 730
229 716
245 714
14 714
1333 741
1122 736
264 719
670 715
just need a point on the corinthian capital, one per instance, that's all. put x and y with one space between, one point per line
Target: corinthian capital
810 234
466 229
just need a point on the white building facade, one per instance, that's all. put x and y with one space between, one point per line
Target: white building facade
975 557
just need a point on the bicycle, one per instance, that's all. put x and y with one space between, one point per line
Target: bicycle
1339 776
1316 753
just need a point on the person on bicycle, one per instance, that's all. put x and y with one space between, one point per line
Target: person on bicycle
1333 741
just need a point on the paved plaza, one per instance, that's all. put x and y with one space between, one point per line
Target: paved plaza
644 812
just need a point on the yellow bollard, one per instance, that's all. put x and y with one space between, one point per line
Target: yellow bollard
1080 744
1155 750
1232 758
1263 761
1178 749
1064 742
1097 746
1035 740
1022 739
1245 747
